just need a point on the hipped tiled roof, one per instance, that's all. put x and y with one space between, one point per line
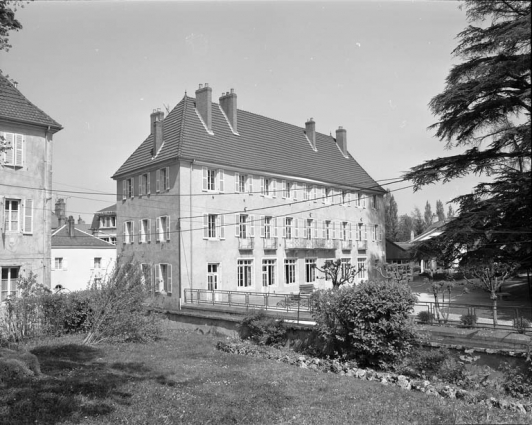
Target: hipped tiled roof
262 145
62 239
15 106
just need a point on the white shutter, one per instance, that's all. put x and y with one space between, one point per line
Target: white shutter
28 216
262 224
157 180
157 229
262 186
323 235
295 185
274 188
65 263
251 226
124 230
365 232
295 228
9 154
168 227
222 226
148 231
169 278
250 182
124 190
284 189
205 184
364 200
19 150
132 231
221 183
205 226
167 179
348 198
350 232
275 230
148 187
333 229
237 182
237 225
157 277
140 231
141 185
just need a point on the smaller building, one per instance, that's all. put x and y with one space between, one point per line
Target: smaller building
104 224
79 259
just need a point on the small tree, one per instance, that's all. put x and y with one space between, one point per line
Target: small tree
489 275
393 273
339 272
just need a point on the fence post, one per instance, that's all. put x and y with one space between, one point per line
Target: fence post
298 303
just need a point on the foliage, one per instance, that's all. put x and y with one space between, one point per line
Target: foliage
518 383
418 221
66 312
368 322
425 317
428 215
468 320
485 108
391 219
439 210
262 329
340 273
521 324
393 272
119 310
8 22
406 226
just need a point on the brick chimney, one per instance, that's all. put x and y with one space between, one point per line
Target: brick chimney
60 212
228 105
341 140
71 224
204 104
310 131
156 129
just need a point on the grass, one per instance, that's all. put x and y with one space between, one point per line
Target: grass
183 379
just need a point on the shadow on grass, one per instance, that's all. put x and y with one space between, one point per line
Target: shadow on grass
76 383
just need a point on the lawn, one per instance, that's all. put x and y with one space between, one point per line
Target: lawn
183 379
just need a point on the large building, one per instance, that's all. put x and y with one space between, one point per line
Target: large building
223 199
25 188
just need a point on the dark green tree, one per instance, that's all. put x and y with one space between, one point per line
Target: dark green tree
405 229
450 212
484 110
439 210
418 221
428 215
391 216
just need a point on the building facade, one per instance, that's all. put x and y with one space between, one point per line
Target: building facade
223 199
25 189
103 224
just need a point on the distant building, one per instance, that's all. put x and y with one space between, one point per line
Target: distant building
218 198
104 224
25 189
78 258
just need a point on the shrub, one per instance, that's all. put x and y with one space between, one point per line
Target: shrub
517 383
521 324
368 322
425 317
262 329
468 320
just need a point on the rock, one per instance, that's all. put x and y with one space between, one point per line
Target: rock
430 390
403 382
471 351
303 365
350 372
360 374
447 392
384 381
302 358
491 351
503 404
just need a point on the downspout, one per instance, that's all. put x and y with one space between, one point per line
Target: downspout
191 276
46 198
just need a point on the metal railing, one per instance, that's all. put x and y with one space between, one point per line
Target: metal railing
269 243
246 243
315 243
347 245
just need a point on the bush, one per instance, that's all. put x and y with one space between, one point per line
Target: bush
425 317
262 329
517 383
521 324
368 322
468 320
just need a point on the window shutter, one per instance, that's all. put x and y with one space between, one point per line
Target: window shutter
295 223
250 181
141 185
9 154
148 188
284 189
275 230
365 232
65 263
168 278
251 226
140 231
262 186
237 182
157 277
348 198
295 185
124 190
315 225
28 216
205 226
237 225
124 230
205 178
350 232
363 200
19 150
274 188
132 231
323 199
221 185
262 224
284 226
323 234
222 226
333 229
148 231
167 179
157 180
168 227
157 229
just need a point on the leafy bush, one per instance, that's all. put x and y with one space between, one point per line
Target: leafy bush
425 317
262 329
521 324
517 383
368 322
468 320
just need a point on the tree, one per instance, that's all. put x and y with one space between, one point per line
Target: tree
428 214
439 210
391 218
339 272
406 227
450 212
8 22
418 221
485 109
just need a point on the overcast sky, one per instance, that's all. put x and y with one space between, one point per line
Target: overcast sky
100 68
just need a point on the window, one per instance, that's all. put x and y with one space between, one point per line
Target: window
12 215
59 263
314 193
268 187
14 155
240 183
287 190
308 229
289 271
244 226
213 226
361 267
9 282
327 199
345 263
266 226
106 222
288 225
162 228
310 270
144 230
212 276
268 273
162 180
244 273
128 232
163 277
127 189
213 180
327 230
97 264
361 200
144 184
346 233
376 233
306 192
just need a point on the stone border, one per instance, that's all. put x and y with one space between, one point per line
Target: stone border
385 378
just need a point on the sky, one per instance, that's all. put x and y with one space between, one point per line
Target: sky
100 68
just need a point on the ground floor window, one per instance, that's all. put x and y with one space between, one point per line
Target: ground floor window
310 270
145 275
8 284
361 266
59 263
345 264
163 277
244 273
213 276
268 272
290 271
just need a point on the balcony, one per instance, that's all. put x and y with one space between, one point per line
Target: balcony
295 243
324 243
246 243
347 245
362 245
303 243
270 243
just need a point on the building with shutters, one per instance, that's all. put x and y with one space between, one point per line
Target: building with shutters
25 188
223 199
103 224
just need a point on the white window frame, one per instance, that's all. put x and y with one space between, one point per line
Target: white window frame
162 228
145 230
269 271
244 273
362 261
290 271
15 155
9 224
8 287
129 232
213 277
163 278
310 270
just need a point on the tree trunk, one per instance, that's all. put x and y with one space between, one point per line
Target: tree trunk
494 300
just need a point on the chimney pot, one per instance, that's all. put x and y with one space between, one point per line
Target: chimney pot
204 105
156 129
341 140
310 130
232 91
206 84
201 86
71 226
228 105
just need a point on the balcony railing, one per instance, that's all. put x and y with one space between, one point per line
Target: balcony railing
362 245
303 243
324 243
347 245
270 243
246 243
